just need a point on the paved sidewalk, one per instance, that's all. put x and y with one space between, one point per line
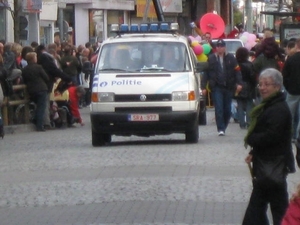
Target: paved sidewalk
58 178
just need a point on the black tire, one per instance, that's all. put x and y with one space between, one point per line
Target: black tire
107 138
192 136
98 139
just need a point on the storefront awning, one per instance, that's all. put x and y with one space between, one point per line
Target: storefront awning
110 4
281 14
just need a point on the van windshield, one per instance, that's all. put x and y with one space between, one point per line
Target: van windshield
143 57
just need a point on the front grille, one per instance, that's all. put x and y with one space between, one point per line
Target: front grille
143 98
143 109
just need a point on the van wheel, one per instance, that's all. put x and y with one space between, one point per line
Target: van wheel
192 136
98 139
107 138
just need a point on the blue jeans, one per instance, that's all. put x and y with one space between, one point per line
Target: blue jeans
293 102
40 99
222 98
244 107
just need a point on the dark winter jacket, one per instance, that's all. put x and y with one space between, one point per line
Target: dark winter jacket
262 62
272 133
70 65
48 64
291 74
269 48
35 78
9 61
248 80
228 76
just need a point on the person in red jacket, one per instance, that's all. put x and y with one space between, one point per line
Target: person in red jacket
292 215
75 93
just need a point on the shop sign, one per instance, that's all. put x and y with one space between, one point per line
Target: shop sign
32 6
291 33
168 6
49 11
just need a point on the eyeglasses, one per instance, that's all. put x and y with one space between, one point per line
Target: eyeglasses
207 36
265 85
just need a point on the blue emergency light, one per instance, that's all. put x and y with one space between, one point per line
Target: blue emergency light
163 27
134 28
124 28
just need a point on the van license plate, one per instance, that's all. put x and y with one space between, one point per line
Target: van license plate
143 117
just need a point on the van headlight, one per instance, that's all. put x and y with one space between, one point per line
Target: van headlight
103 97
183 96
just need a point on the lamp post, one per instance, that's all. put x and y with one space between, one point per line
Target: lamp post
249 15
16 18
61 6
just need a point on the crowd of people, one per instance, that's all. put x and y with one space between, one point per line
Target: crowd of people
265 83
57 78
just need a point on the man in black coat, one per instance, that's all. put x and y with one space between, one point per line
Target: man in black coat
37 82
47 62
291 82
224 79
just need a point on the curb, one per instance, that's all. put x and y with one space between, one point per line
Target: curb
21 128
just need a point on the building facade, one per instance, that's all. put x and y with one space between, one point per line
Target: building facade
81 21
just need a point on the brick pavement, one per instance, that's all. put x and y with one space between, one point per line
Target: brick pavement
57 177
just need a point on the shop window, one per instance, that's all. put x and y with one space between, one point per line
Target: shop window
96 29
113 17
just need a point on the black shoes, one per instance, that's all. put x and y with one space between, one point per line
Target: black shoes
40 129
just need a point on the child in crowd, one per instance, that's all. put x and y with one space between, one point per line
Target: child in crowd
292 215
75 93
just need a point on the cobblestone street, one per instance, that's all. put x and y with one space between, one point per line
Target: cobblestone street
58 178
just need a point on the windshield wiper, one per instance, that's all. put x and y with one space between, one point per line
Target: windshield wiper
115 69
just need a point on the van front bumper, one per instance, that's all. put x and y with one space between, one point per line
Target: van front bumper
119 124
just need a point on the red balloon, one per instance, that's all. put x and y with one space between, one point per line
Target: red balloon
213 24
198 49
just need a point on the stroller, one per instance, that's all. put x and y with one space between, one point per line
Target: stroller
60 114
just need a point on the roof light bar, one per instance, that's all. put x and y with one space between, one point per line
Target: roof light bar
163 27
124 28
134 28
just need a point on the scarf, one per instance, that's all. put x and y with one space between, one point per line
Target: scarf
255 113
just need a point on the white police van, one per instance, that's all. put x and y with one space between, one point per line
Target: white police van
146 82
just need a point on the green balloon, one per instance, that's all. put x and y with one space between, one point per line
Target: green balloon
206 48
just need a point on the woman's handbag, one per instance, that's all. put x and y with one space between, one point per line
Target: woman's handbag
269 172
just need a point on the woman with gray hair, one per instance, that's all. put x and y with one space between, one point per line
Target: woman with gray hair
270 158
